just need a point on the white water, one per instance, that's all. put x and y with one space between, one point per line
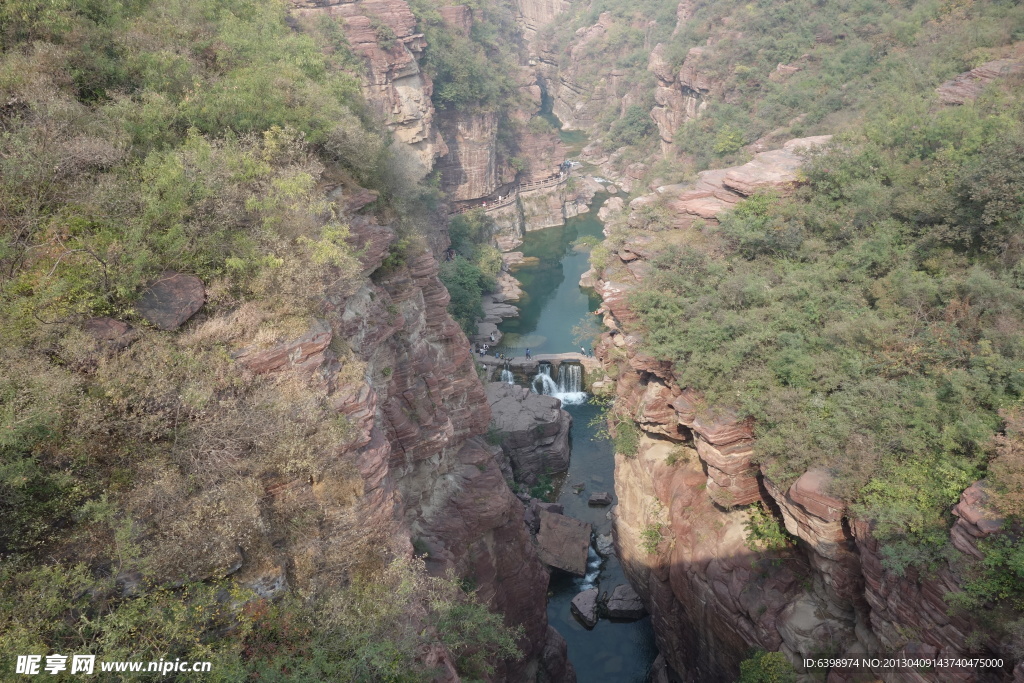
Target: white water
569 387
506 376
570 384
593 570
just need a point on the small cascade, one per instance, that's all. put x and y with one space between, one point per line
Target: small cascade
570 384
568 388
506 375
593 570
542 382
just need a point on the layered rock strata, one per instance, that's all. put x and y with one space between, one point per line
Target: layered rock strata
413 470
392 81
471 168
679 96
692 487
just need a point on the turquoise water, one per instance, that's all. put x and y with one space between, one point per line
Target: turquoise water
611 651
553 304
551 312
575 140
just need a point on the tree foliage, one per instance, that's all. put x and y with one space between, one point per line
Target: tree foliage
872 323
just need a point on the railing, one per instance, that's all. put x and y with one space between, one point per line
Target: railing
551 181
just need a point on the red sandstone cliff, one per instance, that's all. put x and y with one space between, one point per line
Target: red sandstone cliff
711 597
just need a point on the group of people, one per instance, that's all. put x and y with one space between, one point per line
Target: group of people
485 350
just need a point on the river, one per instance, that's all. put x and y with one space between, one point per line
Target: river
553 304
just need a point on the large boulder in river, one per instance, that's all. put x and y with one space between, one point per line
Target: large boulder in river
171 299
624 603
584 607
612 206
534 430
563 542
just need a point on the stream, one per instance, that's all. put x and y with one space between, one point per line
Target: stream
553 304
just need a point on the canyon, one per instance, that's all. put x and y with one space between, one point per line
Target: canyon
710 596
259 384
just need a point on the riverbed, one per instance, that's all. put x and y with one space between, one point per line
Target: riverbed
552 307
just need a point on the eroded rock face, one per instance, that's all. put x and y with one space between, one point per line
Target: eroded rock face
470 169
543 208
534 430
303 353
719 190
679 96
578 106
393 81
535 14
413 465
968 85
975 519
171 299
710 595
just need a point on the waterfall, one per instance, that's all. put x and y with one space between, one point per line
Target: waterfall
570 384
568 388
506 375
542 382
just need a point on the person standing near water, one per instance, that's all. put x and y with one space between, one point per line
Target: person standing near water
528 356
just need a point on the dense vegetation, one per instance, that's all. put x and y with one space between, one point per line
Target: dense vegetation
851 56
471 69
874 322
198 136
470 271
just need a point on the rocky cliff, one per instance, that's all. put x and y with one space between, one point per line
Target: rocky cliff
693 487
418 411
680 96
473 166
392 81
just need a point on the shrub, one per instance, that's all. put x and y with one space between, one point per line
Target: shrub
626 438
765 533
634 127
651 537
766 667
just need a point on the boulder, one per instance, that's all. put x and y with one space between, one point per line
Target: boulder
612 206
563 542
624 603
584 607
600 498
605 545
534 430
304 353
171 299
111 333
968 85
554 508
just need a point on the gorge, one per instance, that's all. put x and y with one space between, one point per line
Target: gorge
252 252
